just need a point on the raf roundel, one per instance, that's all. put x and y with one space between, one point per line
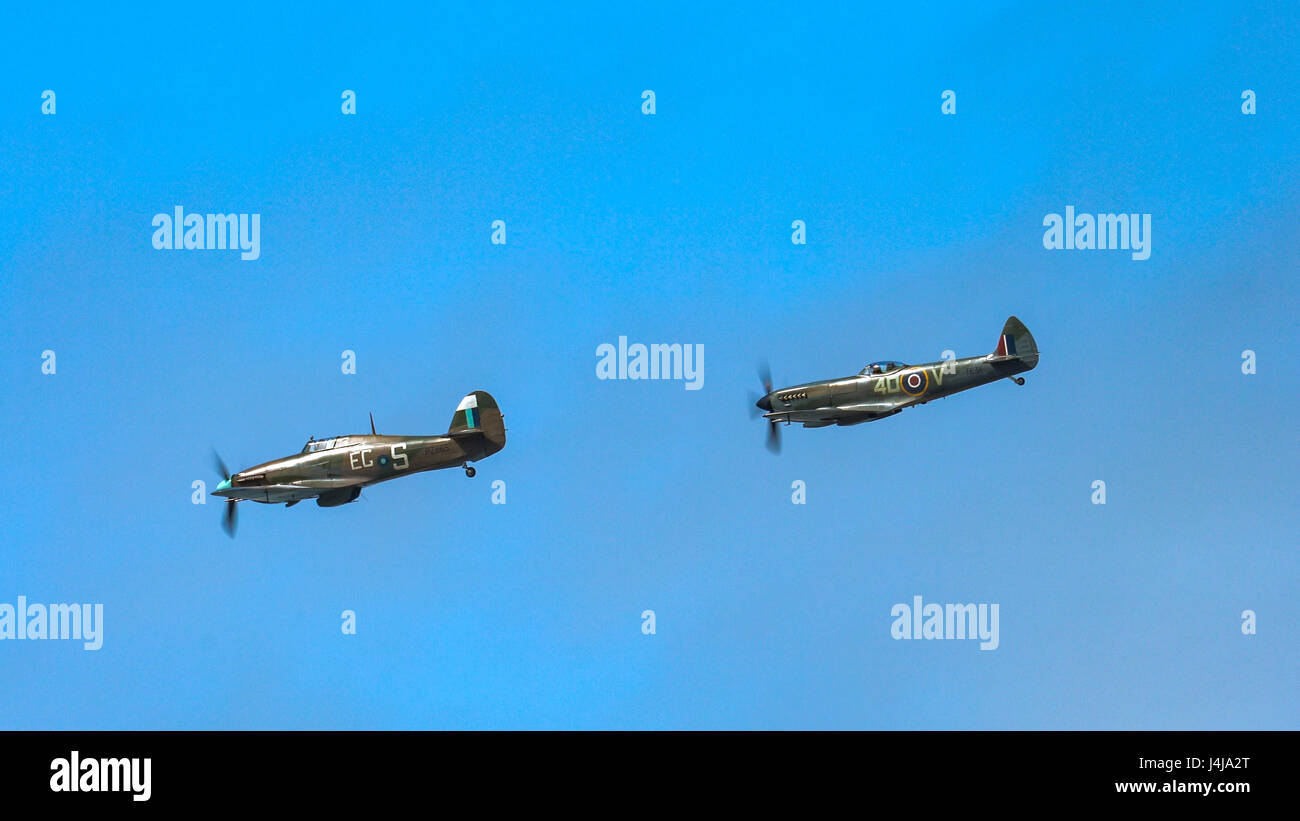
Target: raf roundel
914 382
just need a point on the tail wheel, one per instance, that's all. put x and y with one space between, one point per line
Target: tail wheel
470 472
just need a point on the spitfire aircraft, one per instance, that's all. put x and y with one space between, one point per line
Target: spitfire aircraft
333 471
884 388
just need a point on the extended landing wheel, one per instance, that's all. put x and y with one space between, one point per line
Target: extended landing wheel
469 472
1020 380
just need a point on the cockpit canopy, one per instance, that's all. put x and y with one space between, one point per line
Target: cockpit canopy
314 444
881 367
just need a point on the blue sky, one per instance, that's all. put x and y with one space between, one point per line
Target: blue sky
924 234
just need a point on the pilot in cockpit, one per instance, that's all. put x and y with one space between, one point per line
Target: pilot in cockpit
877 368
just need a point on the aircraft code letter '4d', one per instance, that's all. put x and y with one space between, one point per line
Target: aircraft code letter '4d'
333 471
884 388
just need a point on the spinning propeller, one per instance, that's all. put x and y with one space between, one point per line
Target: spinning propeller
764 404
228 520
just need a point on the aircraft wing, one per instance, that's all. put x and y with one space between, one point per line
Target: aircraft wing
271 493
292 491
872 407
803 415
331 483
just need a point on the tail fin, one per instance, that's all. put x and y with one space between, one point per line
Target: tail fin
478 413
1016 341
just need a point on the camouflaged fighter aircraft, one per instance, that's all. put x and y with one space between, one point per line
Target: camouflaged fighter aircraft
333 471
884 388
